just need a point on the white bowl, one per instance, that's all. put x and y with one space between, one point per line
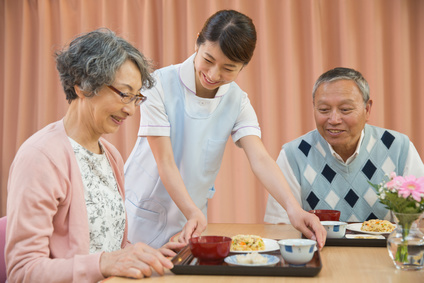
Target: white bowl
297 251
335 229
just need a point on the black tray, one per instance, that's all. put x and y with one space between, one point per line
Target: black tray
184 263
344 242
357 242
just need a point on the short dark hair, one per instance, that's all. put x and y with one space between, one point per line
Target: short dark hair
235 33
92 60
344 74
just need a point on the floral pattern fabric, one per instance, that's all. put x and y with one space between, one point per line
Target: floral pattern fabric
105 206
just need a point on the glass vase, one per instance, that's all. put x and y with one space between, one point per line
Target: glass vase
406 243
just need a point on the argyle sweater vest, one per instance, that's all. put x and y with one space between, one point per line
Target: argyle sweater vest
327 183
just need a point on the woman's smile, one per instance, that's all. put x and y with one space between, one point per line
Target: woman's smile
118 120
209 81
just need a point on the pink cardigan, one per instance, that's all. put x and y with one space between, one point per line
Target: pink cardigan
47 236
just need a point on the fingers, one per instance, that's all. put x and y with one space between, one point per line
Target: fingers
169 248
136 261
184 236
187 231
154 258
311 227
194 227
143 258
198 231
174 246
307 233
320 234
167 252
133 273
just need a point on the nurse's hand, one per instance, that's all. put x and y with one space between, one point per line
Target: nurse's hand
309 225
136 261
194 227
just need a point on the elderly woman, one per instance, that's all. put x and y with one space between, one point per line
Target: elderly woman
66 213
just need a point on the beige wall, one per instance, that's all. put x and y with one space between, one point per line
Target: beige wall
297 41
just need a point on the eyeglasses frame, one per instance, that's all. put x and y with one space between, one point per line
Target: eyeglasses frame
139 99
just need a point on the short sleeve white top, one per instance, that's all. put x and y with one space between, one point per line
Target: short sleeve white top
154 120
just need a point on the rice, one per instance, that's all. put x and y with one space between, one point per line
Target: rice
251 258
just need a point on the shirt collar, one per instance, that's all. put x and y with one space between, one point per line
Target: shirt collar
353 156
187 77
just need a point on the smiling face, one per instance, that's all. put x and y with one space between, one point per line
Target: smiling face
106 111
340 115
213 69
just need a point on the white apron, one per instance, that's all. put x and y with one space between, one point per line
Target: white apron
198 144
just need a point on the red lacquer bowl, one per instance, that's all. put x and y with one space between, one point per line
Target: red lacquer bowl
326 214
210 248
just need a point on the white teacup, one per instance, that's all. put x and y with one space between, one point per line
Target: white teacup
335 229
297 251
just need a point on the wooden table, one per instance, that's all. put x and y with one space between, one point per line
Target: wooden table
339 264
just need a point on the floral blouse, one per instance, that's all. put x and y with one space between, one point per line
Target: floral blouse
105 206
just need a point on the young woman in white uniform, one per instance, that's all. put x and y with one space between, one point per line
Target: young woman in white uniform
185 123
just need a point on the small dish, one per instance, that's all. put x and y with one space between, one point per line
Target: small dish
272 260
356 227
270 245
335 229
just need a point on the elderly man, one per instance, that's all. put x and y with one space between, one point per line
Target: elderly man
329 168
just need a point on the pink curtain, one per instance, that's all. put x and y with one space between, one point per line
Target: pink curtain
297 41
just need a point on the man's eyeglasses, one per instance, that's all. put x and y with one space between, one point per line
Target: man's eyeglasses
129 97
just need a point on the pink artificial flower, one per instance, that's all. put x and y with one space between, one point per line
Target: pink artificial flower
395 182
392 175
411 185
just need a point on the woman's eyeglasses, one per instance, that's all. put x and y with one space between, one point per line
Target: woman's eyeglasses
129 97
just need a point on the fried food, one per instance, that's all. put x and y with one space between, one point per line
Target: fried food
377 225
247 243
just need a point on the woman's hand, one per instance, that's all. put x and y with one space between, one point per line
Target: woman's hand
309 225
170 248
194 227
273 179
171 178
136 261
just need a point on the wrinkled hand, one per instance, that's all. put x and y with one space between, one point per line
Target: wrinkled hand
193 228
170 248
309 225
136 261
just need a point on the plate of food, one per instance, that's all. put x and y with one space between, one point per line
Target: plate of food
250 243
252 259
373 226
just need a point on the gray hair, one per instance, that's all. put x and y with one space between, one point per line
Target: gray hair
92 60
344 74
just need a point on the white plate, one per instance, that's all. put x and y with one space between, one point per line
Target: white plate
272 260
364 236
270 245
356 227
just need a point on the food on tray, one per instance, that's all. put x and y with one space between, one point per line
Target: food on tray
365 237
247 243
377 225
251 258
